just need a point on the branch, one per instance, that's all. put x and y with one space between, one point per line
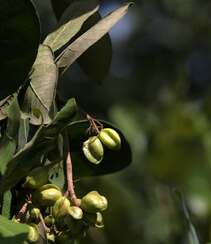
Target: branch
69 174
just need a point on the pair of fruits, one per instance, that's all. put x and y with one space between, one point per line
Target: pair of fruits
93 147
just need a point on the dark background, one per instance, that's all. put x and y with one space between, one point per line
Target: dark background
158 93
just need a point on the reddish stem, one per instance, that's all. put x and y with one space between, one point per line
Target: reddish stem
23 209
95 125
69 173
43 224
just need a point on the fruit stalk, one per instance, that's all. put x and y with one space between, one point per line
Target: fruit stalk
69 174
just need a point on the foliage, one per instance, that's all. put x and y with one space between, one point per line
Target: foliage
41 140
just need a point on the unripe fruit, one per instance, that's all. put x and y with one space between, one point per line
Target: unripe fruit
94 219
93 202
61 207
37 178
99 221
35 214
70 220
110 138
48 194
64 237
33 234
93 150
61 224
75 226
49 220
76 212
50 237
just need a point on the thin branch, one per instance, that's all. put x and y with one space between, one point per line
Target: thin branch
69 174
95 125
24 207
47 230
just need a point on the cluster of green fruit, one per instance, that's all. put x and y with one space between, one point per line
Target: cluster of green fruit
64 221
93 148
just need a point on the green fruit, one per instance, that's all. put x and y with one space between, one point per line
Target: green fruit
99 221
61 224
64 237
33 234
50 237
93 150
61 207
110 138
94 219
37 178
93 202
74 226
49 220
76 212
48 194
35 214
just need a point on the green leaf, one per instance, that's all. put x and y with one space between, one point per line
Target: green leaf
57 175
23 131
19 40
4 103
6 206
113 160
191 231
96 61
11 232
44 141
60 6
71 23
85 41
9 141
41 91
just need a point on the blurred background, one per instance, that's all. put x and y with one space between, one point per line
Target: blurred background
158 92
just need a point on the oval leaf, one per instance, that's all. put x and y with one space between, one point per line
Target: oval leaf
96 61
113 160
19 40
41 91
11 232
85 41
71 23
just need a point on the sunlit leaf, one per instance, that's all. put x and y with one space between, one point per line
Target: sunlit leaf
82 43
41 91
71 23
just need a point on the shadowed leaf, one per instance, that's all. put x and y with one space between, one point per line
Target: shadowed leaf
42 142
19 40
9 141
96 61
59 6
11 232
